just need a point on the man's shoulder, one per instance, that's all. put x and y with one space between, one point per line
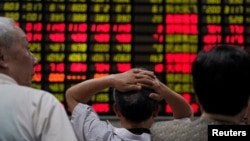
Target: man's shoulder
35 90
178 130
33 94
167 126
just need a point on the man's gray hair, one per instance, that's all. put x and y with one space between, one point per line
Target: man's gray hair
8 33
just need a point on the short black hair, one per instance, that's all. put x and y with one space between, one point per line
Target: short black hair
135 106
221 79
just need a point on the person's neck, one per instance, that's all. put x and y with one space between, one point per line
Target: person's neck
137 128
130 125
232 119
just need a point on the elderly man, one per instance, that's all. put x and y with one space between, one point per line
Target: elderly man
26 114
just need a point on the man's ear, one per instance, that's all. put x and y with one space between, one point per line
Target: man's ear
116 110
156 111
2 58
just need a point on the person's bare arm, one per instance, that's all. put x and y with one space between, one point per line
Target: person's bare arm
181 108
82 92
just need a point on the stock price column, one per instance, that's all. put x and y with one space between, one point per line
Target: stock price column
234 22
181 45
222 22
76 66
99 50
54 48
147 51
211 23
121 35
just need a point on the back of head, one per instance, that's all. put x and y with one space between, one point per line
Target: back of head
135 106
220 79
7 32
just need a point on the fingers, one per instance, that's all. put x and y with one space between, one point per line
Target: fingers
146 85
130 80
143 72
155 96
136 70
146 73
134 87
131 87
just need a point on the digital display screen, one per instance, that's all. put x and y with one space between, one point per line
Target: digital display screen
76 40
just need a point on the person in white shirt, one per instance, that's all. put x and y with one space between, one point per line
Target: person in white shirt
26 114
136 95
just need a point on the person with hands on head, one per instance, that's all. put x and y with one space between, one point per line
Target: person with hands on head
219 80
26 114
132 105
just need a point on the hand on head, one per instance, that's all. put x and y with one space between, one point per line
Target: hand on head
155 84
136 78
133 79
